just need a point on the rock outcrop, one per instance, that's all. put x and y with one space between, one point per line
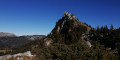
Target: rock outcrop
19 56
69 30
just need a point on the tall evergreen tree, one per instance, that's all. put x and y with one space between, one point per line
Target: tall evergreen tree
111 27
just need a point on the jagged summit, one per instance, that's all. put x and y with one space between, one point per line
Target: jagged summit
69 16
67 23
68 29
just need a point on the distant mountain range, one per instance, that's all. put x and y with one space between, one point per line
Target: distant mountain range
9 40
4 34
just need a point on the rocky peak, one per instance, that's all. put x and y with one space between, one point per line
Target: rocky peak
67 23
69 29
69 16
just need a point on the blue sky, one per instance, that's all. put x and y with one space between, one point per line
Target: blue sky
29 17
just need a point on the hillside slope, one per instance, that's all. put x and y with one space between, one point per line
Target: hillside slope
71 39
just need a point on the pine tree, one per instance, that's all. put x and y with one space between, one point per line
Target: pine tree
111 27
106 30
